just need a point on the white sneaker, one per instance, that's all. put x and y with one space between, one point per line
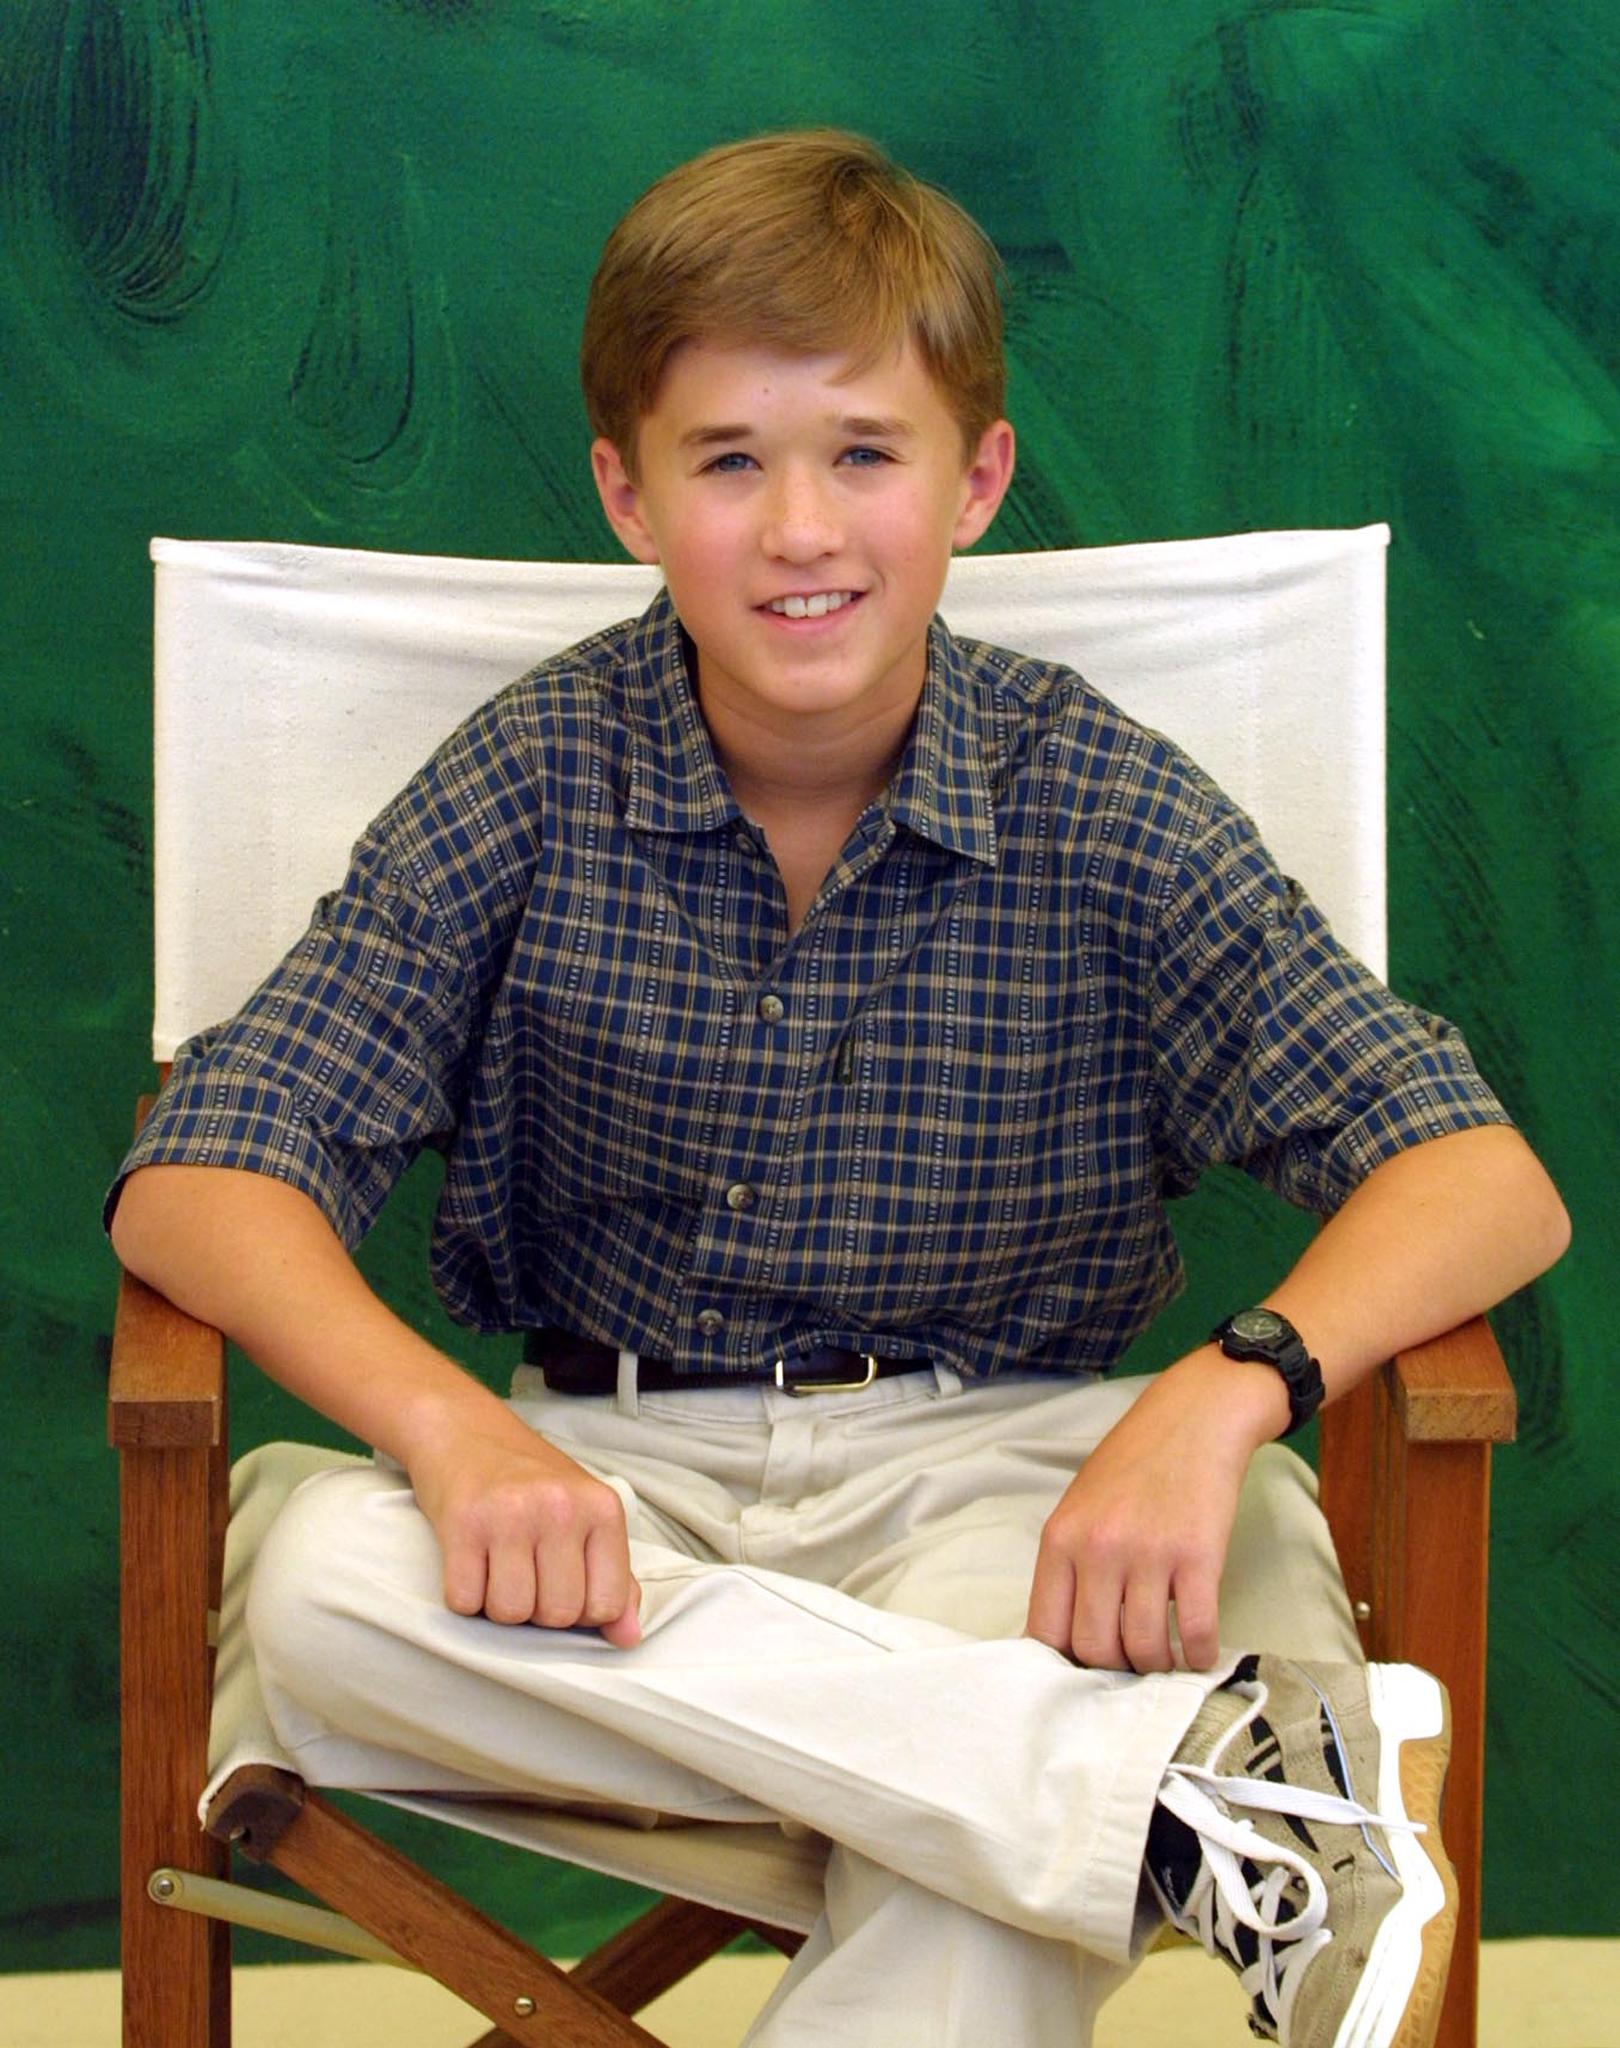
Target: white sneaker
1309 1855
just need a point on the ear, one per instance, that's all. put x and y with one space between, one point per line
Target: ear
621 501
984 483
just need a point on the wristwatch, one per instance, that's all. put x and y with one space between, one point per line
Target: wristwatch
1270 1339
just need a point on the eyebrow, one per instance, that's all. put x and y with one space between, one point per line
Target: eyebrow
857 427
703 437
861 428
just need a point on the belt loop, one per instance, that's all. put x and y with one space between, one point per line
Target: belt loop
628 1402
947 1380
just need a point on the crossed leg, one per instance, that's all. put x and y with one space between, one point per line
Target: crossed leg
988 1801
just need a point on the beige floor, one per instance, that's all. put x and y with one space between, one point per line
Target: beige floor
1536 1994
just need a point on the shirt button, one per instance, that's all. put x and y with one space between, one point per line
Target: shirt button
711 1322
772 1009
740 1195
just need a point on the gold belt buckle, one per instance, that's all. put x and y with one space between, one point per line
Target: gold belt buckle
807 1387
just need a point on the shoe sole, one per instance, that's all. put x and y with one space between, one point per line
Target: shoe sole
1398 2000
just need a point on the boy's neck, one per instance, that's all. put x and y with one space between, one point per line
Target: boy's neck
806 783
791 766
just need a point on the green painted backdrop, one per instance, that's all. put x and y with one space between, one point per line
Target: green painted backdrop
275 268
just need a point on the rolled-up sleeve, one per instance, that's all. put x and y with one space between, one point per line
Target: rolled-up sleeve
349 1057
1277 1051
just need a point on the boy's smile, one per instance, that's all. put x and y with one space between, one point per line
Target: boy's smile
804 518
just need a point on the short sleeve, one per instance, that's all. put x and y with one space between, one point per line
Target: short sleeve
1277 1051
351 1055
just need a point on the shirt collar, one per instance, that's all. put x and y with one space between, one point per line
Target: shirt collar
941 790
676 783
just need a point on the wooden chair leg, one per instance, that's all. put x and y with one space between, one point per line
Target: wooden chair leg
176 1967
1427 1600
1406 1472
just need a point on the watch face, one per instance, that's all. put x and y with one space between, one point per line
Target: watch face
1257 1325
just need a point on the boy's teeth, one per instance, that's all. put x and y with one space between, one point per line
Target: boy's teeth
815 607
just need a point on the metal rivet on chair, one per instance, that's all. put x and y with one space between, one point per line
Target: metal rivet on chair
523 2007
1363 1610
162 1887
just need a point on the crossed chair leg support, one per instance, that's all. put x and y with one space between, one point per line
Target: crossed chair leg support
271 1817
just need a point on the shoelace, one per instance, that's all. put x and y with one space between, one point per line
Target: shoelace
1222 1898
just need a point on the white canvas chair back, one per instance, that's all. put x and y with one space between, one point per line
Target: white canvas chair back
297 688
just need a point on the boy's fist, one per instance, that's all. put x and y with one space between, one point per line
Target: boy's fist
527 1535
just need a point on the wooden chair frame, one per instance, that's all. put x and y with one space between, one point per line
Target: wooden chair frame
1405 1472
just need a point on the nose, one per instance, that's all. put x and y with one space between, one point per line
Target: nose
801 520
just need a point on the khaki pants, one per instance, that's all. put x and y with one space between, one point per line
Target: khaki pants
833 1594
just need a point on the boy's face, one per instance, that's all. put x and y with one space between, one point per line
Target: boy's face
768 481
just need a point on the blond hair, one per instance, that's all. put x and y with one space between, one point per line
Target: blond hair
810 242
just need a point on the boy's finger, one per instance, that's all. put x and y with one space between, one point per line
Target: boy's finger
1145 1624
559 1581
612 1596
1098 1641
465 1576
1050 1618
624 1631
1198 1618
509 1583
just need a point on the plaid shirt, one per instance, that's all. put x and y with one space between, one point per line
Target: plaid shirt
1053 976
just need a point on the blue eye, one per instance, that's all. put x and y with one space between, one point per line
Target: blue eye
864 458
730 463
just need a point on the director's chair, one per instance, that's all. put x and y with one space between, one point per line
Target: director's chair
296 689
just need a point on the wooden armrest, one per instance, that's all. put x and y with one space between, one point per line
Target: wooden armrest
167 1384
167 1388
1455 1389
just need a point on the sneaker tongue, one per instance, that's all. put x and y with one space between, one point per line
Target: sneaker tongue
1221 1711
1173 1855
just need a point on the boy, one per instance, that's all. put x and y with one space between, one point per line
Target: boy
815 1012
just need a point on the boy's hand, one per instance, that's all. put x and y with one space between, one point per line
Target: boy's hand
526 1534
1148 1518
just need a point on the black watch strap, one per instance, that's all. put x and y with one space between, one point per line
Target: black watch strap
1261 1335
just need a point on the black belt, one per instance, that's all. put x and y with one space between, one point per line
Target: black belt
579 1365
